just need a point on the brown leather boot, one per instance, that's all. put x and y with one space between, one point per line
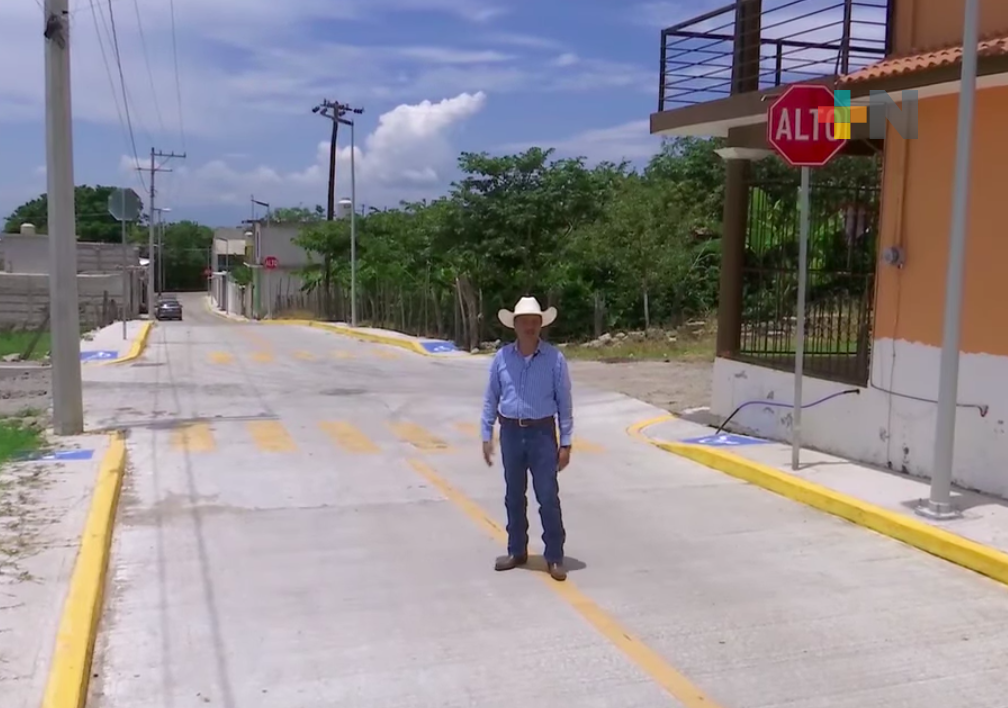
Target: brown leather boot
557 571
510 562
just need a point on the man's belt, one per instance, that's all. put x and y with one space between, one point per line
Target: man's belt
527 422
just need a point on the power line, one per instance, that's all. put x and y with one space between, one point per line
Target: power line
150 73
122 82
178 81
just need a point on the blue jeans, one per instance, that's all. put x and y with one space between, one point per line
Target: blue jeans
534 449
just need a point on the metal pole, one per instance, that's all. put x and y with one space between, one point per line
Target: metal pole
64 318
799 367
940 503
150 243
160 253
125 258
353 230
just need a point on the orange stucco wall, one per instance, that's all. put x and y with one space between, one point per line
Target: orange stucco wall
916 213
929 24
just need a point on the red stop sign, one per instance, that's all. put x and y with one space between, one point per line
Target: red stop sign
270 262
794 128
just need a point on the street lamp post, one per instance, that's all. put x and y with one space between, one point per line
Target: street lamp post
160 247
353 224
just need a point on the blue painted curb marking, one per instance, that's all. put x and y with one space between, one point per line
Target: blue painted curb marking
725 440
439 347
58 456
99 355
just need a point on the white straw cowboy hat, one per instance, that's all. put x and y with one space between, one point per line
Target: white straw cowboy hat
527 306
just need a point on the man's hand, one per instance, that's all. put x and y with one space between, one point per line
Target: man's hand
563 458
488 452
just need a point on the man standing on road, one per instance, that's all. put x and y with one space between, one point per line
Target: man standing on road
529 391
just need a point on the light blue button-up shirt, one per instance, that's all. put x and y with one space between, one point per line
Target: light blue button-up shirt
539 387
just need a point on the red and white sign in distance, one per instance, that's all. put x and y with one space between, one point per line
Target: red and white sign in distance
207 272
270 262
795 131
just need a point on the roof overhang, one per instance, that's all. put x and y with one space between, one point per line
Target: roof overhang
716 118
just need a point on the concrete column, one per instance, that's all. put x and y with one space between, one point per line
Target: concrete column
733 237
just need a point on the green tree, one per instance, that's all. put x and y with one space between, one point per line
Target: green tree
186 247
94 223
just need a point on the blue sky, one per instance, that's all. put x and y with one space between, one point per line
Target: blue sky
434 77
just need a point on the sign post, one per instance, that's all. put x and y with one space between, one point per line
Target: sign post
124 205
269 263
795 131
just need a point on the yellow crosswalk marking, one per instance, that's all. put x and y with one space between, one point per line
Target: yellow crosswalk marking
262 357
271 436
348 437
193 437
221 357
418 437
304 356
579 444
582 445
471 429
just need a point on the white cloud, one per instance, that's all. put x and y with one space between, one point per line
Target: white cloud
629 141
408 155
566 59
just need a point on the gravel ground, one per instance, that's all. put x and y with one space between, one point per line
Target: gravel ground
675 386
20 389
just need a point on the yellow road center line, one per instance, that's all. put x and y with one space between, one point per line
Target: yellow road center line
348 437
418 437
262 357
304 356
193 437
645 658
221 357
340 354
271 436
387 354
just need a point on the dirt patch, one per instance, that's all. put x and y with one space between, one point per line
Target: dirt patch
673 385
21 390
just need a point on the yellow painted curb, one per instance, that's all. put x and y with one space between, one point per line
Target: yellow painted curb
931 539
409 345
136 348
223 315
70 670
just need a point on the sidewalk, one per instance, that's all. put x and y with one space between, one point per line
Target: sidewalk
881 500
43 508
108 345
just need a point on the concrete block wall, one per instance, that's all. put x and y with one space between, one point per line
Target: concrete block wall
24 298
30 254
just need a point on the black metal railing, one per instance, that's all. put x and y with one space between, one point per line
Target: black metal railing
841 278
704 58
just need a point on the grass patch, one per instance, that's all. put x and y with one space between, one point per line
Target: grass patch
17 438
18 343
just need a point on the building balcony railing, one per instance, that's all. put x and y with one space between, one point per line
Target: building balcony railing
704 58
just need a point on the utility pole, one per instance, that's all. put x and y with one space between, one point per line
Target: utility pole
939 504
335 111
154 169
64 318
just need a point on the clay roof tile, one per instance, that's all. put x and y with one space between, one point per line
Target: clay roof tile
991 46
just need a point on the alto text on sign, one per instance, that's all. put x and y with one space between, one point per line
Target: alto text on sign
794 128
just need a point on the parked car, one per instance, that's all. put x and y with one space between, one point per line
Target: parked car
168 308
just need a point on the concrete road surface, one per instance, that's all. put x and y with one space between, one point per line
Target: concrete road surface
308 523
